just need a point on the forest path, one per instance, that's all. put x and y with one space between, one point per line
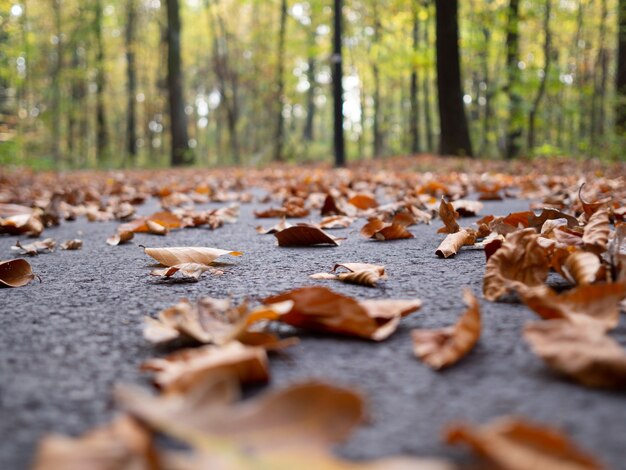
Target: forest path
66 341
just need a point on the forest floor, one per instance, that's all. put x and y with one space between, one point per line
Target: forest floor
65 342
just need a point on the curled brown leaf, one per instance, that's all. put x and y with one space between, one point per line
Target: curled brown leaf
304 235
15 273
189 254
453 242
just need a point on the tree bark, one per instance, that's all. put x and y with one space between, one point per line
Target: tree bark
102 135
514 124
279 136
620 78
547 47
455 138
414 98
309 130
56 86
180 151
337 62
131 82
378 143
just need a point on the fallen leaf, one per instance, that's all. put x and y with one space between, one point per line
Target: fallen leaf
589 208
516 444
364 278
448 216
379 230
580 352
596 233
15 273
74 244
304 235
520 259
444 347
282 225
582 267
336 221
208 320
466 208
453 242
363 201
538 221
355 267
180 371
585 304
21 224
156 228
33 249
330 207
309 415
168 220
320 309
188 270
189 254
120 237
121 445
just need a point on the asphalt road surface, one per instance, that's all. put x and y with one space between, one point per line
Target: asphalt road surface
66 341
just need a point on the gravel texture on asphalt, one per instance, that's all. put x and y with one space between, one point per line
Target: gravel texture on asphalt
66 341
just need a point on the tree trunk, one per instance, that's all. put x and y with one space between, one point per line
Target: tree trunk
131 82
454 139
102 136
620 78
180 151
340 158
378 134
309 132
427 82
414 114
280 88
547 46
514 124
599 80
56 86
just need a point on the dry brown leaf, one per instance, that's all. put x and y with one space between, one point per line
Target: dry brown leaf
304 235
444 347
187 270
596 233
589 208
15 273
355 267
330 207
364 278
180 371
336 221
189 254
120 237
379 230
453 242
448 216
581 352
168 220
208 320
8 210
74 244
466 208
582 267
320 309
585 304
538 221
363 202
156 228
520 259
308 415
33 249
282 225
121 445
516 444
22 224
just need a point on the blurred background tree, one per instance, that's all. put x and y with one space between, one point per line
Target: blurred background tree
123 83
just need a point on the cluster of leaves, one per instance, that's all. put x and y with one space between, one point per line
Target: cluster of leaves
223 345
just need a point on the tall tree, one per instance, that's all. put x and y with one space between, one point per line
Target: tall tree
514 123
620 78
280 85
378 118
131 81
308 132
102 135
454 136
414 98
547 54
337 66
180 151
56 84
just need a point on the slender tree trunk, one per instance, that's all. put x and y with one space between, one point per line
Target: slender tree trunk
487 112
180 151
131 83
514 124
620 76
56 85
280 88
455 139
308 133
378 134
426 93
547 47
414 98
337 67
102 136
599 81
